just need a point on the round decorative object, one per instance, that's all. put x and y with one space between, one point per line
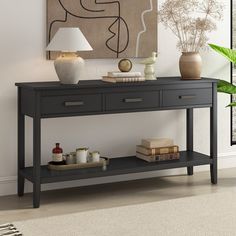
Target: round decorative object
125 65
190 65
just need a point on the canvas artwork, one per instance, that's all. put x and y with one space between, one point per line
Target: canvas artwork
115 29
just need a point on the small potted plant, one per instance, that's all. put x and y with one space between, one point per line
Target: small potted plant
190 21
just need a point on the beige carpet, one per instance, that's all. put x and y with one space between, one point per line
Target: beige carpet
213 214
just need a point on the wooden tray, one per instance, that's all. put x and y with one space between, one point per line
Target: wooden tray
79 166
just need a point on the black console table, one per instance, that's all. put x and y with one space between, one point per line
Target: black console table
51 99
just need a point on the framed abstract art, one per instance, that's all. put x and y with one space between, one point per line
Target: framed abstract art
115 29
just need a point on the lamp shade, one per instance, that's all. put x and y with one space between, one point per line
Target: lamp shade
69 40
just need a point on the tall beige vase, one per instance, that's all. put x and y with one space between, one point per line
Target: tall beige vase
190 65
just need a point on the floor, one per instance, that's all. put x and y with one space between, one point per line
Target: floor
73 200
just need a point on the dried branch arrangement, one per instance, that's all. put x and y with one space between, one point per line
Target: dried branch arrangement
191 31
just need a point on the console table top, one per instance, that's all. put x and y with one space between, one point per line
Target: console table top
54 85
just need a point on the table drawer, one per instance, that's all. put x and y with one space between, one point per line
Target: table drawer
132 100
187 97
71 104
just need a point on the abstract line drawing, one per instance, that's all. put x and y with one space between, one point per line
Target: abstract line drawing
108 25
118 20
144 27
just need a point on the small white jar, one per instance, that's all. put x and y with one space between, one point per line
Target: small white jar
81 155
95 156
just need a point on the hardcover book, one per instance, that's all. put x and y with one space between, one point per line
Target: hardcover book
157 142
157 151
122 79
124 74
156 158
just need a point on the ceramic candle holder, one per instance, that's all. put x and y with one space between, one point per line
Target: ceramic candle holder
81 155
95 156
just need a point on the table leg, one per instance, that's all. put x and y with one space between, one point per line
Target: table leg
21 147
213 136
189 135
37 156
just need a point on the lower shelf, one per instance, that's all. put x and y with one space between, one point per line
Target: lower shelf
118 166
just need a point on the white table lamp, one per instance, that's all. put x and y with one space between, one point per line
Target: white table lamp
69 66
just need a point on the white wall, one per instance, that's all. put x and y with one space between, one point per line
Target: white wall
22 44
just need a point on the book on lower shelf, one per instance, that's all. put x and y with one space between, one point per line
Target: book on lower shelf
158 158
157 142
157 151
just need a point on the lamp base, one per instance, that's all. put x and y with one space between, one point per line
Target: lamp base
69 68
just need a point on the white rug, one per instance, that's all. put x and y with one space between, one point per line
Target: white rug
211 215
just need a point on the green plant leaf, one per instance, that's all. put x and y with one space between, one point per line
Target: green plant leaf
232 104
230 54
226 87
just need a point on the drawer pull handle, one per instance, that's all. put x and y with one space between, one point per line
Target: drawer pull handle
71 104
133 100
187 96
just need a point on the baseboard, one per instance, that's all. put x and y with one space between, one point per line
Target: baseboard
8 185
227 160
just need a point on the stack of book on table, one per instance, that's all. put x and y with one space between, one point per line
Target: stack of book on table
122 77
162 149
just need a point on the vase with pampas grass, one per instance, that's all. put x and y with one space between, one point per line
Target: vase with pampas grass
190 21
